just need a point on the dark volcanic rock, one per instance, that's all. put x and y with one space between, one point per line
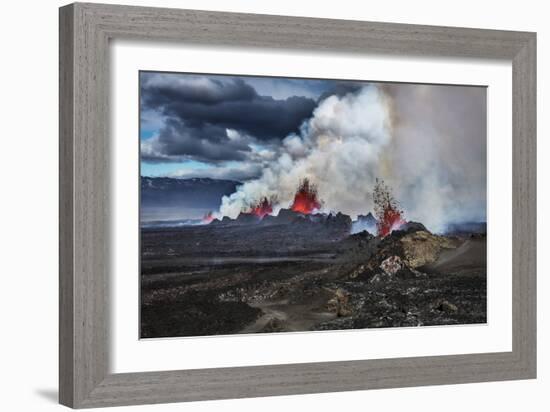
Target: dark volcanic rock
194 314
247 218
215 222
340 222
367 219
306 272
365 223
363 237
287 216
269 220
371 285
338 225
410 227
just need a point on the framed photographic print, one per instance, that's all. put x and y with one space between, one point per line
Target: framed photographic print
257 205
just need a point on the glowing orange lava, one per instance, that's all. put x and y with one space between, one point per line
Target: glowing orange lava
207 218
305 199
387 211
262 208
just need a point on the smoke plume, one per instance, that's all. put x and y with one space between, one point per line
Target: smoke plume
427 142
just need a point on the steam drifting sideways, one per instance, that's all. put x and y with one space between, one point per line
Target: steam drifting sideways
303 204
338 150
352 140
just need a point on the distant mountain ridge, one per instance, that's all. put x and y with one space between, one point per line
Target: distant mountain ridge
467 227
164 198
166 182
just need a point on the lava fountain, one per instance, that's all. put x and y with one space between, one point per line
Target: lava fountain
262 208
386 208
208 218
305 199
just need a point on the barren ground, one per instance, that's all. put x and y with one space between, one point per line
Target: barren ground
208 280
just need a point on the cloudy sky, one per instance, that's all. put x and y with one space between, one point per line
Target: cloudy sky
428 142
224 127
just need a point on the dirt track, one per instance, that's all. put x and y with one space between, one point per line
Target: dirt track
328 283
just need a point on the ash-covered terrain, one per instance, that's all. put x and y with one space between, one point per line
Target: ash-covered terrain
268 212
307 271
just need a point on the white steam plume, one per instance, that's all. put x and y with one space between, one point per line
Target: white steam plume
338 149
437 157
426 142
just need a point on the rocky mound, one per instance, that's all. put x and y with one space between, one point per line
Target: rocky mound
400 254
366 223
338 222
422 247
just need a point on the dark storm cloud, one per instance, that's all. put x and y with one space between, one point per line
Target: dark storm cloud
262 117
198 110
206 142
159 90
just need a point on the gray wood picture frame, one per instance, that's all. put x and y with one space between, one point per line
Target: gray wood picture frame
85 32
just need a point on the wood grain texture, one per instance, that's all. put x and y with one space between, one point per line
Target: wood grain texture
524 225
66 229
85 31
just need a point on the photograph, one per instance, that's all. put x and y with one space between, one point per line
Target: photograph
272 204
275 206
